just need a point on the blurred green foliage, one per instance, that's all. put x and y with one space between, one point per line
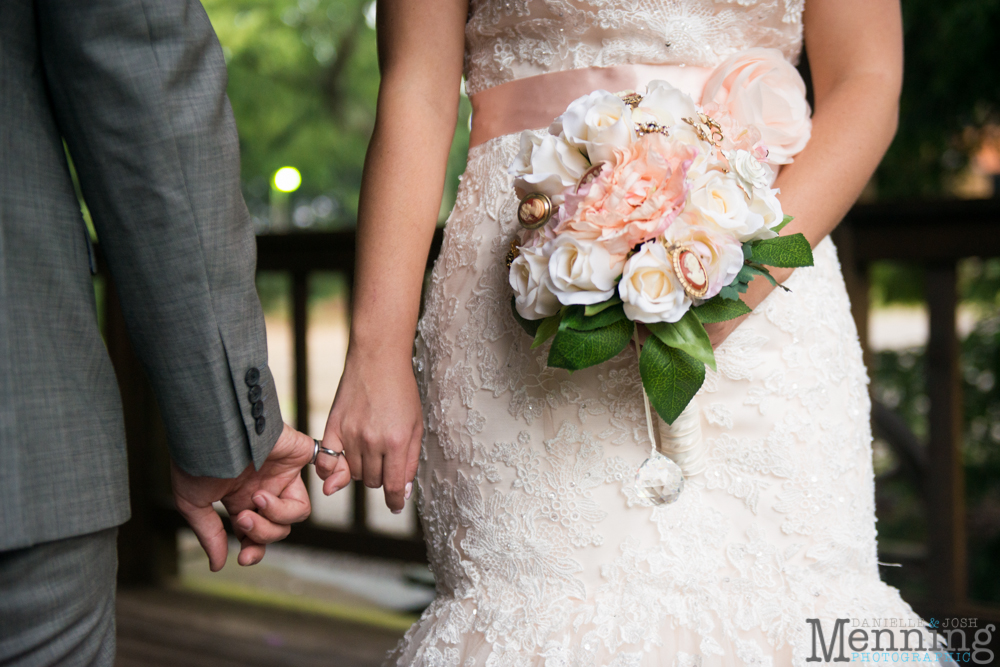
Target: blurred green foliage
898 383
303 82
951 88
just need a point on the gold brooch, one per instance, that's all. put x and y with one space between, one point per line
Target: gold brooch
707 129
630 98
512 253
690 271
534 210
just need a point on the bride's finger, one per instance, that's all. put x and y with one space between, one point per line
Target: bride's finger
327 463
371 472
340 478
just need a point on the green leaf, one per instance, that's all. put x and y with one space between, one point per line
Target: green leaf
781 225
747 251
548 328
730 293
574 350
687 334
785 251
530 326
719 309
598 307
761 270
671 378
576 318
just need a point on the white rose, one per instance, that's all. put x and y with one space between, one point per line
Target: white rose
749 171
720 253
665 105
596 124
766 213
529 278
650 289
581 272
547 164
718 197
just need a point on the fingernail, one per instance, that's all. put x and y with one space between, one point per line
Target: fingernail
409 490
260 501
397 511
334 490
246 523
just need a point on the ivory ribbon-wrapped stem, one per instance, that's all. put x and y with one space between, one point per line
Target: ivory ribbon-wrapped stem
680 441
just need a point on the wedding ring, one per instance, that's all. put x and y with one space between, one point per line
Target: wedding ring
318 448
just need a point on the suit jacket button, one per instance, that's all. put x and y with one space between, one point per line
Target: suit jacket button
258 409
259 425
253 377
254 393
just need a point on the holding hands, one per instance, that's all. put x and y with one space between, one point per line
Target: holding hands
261 503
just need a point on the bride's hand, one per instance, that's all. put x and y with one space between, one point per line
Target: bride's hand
377 421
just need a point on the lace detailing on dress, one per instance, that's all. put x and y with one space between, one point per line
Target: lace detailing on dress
543 552
511 39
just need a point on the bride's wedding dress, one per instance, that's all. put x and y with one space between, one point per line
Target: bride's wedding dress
543 552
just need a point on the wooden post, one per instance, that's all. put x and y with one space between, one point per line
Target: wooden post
147 549
945 491
300 329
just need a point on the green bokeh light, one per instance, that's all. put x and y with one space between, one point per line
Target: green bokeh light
287 179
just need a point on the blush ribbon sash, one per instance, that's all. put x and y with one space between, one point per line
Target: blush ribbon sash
532 103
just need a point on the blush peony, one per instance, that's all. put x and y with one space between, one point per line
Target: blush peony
633 201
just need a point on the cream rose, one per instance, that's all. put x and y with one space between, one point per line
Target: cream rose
665 105
766 213
759 87
649 289
547 164
597 124
720 253
529 278
581 272
718 198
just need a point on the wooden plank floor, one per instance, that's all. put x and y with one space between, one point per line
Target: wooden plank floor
175 628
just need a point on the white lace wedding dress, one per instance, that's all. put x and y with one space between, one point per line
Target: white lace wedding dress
542 551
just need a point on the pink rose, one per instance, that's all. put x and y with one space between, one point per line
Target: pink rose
633 201
759 87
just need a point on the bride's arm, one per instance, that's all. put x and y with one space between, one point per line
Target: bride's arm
376 416
856 59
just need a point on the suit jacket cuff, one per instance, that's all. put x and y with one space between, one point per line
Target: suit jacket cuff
258 401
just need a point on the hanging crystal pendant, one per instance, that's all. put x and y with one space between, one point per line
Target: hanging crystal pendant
659 480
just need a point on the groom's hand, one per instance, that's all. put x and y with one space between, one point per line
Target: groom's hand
262 504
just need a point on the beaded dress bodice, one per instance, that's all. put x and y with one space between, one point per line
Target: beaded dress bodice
512 39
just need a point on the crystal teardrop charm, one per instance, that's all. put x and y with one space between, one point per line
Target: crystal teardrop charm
659 480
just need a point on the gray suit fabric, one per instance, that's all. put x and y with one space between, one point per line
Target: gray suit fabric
58 603
136 89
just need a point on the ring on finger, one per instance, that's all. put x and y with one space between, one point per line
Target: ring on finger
320 449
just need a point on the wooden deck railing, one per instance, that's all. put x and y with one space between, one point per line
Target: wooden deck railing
935 235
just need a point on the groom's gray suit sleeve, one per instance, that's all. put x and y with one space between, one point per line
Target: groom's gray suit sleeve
139 92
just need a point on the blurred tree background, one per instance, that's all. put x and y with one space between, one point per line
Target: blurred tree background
304 81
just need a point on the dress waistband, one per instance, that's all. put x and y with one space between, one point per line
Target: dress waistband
533 102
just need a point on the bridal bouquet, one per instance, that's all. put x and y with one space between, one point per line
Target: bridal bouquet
650 208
